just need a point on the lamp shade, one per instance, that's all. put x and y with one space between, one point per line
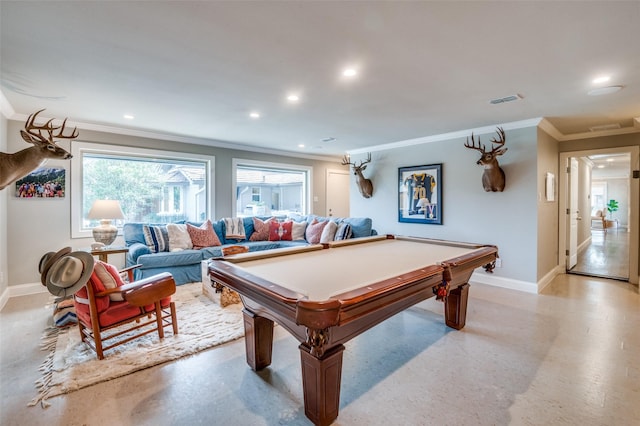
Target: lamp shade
105 210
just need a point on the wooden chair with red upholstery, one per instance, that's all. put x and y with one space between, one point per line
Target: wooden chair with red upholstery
111 312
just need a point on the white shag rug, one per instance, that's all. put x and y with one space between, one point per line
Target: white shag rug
71 365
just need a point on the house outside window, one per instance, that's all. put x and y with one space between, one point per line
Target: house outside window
268 189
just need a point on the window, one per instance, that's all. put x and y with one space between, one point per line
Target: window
268 189
152 186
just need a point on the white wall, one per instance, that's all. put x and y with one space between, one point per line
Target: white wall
36 226
3 217
507 219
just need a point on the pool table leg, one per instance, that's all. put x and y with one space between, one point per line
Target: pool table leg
258 333
321 384
455 307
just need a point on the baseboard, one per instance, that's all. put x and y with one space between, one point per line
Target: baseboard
546 280
490 279
584 244
20 290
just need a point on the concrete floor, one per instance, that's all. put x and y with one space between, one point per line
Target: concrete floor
607 255
569 356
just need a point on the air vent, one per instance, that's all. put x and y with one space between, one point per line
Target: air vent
329 139
602 127
505 99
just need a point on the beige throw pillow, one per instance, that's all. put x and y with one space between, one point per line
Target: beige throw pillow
179 238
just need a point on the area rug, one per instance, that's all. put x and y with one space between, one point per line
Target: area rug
71 365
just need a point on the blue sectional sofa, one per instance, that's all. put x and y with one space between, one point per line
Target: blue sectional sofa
185 265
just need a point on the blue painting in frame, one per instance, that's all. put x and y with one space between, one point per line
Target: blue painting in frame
420 194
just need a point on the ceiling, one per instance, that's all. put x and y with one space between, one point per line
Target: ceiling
193 71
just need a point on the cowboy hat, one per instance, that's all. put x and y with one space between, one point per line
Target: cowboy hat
69 273
48 260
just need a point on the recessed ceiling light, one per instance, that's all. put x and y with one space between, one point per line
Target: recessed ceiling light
349 72
604 90
293 98
601 166
254 115
128 116
601 79
300 145
610 160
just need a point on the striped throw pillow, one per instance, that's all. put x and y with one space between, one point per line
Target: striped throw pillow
156 238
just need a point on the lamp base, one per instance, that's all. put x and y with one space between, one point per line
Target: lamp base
105 233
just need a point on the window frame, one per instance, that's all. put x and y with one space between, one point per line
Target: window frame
80 148
239 162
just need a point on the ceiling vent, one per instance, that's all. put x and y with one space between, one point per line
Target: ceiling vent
505 99
605 127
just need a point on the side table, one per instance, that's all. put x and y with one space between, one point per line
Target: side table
103 253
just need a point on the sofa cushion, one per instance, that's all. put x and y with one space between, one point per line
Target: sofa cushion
156 237
343 232
260 229
314 231
329 232
167 260
297 233
280 230
179 238
204 236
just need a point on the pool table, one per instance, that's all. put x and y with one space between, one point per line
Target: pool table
325 295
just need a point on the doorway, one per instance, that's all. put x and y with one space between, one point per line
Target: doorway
598 213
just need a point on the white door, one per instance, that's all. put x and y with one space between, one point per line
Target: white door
338 193
573 215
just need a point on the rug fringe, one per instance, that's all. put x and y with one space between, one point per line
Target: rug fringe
48 343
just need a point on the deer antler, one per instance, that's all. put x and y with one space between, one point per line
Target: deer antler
480 146
501 142
36 131
346 160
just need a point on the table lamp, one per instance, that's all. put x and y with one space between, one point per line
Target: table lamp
104 211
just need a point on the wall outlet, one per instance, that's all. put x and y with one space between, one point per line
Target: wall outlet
498 263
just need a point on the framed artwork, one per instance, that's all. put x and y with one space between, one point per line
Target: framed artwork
44 182
420 194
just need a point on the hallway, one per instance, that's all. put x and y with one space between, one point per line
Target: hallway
606 256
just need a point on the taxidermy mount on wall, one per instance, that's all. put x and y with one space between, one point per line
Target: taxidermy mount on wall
493 179
364 185
19 164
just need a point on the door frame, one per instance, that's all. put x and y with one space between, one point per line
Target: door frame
634 201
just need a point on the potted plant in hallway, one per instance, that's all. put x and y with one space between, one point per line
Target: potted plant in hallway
612 206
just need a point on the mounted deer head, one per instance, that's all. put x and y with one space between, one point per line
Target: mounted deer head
19 164
493 177
364 185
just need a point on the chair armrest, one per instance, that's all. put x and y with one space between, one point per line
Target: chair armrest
164 276
149 290
129 271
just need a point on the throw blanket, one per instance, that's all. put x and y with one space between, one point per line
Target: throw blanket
235 228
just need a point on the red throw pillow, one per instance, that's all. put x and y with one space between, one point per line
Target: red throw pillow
204 236
261 229
314 231
280 231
